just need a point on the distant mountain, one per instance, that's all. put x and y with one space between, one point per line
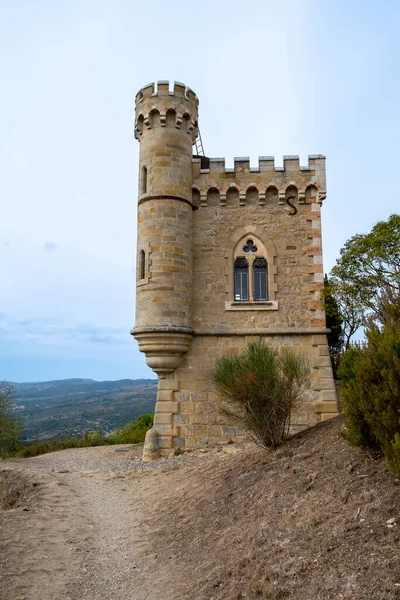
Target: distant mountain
69 407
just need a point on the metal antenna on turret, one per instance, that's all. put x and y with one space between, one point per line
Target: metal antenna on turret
198 144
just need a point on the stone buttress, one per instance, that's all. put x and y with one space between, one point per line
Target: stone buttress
200 225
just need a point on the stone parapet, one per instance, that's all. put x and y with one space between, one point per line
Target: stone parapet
266 164
265 185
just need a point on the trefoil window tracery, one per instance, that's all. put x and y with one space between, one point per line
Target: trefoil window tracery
250 273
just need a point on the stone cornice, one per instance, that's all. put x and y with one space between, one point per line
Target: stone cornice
245 332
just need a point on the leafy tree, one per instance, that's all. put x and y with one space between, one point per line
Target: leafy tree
368 264
10 427
334 322
258 389
350 305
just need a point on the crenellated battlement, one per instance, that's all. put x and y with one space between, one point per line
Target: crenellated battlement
156 105
264 183
265 164
161 89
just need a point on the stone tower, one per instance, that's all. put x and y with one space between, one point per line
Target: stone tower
223 255
166 127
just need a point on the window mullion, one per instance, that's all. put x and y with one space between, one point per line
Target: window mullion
251 281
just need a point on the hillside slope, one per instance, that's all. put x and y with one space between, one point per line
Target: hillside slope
314 520
69 407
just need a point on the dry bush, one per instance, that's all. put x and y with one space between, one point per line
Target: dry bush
259 388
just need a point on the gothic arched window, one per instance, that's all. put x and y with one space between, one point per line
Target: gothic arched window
241 279
250 271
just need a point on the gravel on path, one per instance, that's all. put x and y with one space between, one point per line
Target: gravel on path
88 523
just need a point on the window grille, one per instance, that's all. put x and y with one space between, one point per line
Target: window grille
241 276
260 279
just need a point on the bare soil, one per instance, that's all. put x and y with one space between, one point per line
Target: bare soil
314 520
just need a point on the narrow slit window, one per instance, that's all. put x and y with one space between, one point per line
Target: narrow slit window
142 264
260 273
241 276
144 180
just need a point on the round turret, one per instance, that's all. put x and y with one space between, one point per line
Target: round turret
166 127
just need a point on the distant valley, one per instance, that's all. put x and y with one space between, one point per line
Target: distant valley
69 407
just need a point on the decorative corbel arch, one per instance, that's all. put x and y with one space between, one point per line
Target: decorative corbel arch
271 193
139 126
213 195
313 193
232 195
170 117
154 117
251 196
196 197
288 195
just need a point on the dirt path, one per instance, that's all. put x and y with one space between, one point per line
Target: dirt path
109 569
69 529
315 519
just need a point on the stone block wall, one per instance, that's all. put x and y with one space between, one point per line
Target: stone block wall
240 202
186 413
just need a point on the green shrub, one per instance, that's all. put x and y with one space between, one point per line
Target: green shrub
133 433
97 438
259 388
94 438
357 430
11 428
371 387
35 448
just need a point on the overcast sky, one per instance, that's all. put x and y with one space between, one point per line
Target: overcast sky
295 77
